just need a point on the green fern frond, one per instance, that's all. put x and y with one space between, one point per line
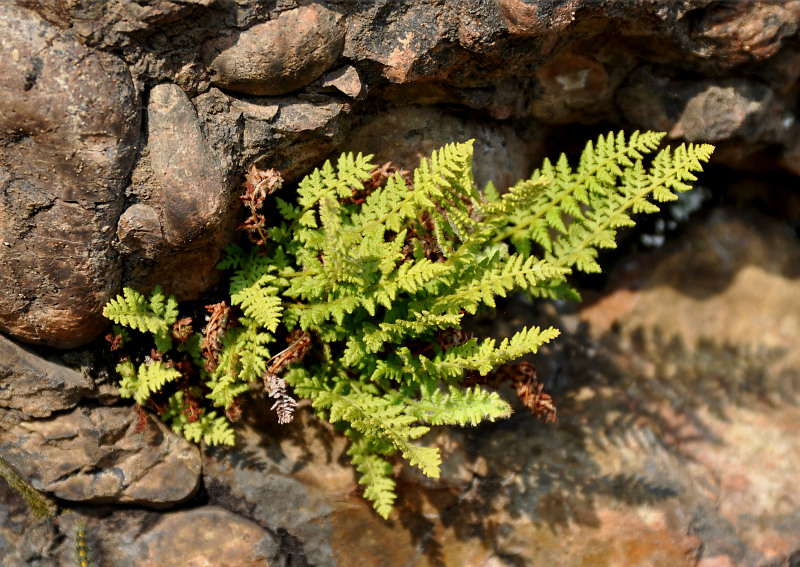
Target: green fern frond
378 276
377 474
212 430
148 379
460 407
133 310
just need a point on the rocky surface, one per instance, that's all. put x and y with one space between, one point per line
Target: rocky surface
675 444
124 132
38 386
277 56
183 212
98 195
96 455
68 132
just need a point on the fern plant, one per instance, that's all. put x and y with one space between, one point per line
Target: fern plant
368 276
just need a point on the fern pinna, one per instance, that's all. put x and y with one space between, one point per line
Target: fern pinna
368 277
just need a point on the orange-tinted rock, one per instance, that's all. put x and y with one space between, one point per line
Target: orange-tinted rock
208 537
277 56
537 17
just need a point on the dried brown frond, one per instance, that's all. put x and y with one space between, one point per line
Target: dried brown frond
218 321
452 337
378 177
299 343
115 340
234 412
284 404
258 183
525 379
141 419
191 407
182 329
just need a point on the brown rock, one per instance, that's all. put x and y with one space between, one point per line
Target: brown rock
139 230
277 56
736 284
191 194
209 536
406 135
527 18
347 81
742 32
572 85
703 111
68 132
35 386
184 218
94 455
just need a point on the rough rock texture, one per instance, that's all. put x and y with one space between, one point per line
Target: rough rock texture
225 539
509 72
278 56
95 455
183 215
68 132
407 135
675 444
124 131
36 386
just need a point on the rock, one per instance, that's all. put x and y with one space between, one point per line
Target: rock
69 133
139 231
95 456
207 536
192 196
739 33
293 484
347 81
406 135
734 284
576 86
186 214
714 320
36 386
290 134
526 19
278 56
707 111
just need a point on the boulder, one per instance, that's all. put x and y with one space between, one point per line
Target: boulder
185 210
95 455
69 130
277 56
37 386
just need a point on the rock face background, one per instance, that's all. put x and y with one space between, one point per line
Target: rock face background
124 130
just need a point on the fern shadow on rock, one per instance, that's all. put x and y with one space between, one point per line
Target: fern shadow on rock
617 441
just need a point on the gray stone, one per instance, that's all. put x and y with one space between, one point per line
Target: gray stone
35 386
69 128
277 56
699 111
288 133
95 456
